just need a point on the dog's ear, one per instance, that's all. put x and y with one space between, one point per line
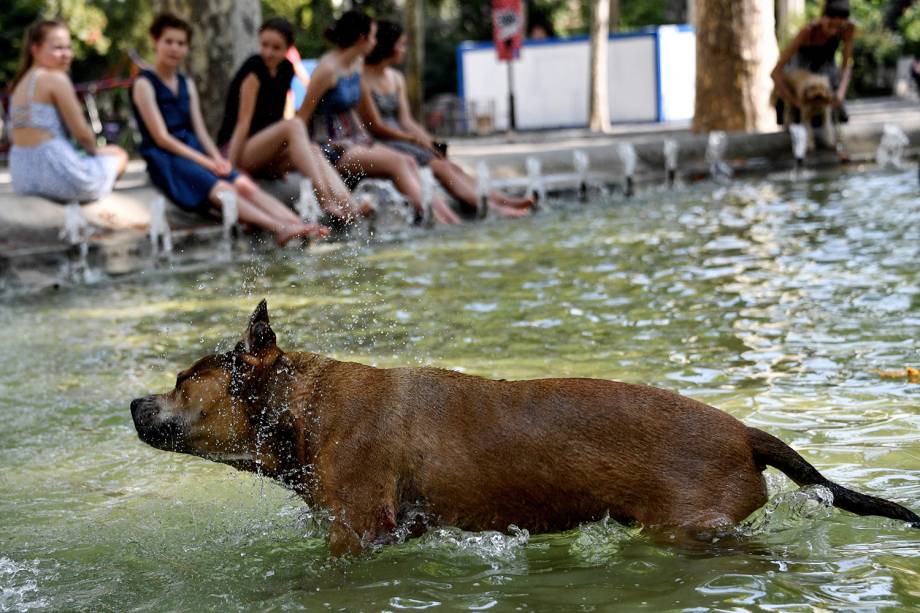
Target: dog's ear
258 345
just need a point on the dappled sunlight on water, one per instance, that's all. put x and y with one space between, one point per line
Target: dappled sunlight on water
778 302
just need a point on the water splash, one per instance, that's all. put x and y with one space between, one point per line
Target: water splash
307 206
490 546
671 149
159 232
582 163
393 211
483 187
627 155
536 186
890 150
230 216
716 145
799 136
600 542
789 510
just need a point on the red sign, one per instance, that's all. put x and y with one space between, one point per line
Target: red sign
507 28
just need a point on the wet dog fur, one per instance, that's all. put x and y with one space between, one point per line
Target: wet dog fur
367 443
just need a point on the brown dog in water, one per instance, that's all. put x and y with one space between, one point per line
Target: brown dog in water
368 443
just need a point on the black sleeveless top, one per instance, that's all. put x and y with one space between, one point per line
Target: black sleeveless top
269 101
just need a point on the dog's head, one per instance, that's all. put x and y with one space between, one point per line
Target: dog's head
815 90
216 408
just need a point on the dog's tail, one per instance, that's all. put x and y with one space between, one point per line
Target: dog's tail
770 451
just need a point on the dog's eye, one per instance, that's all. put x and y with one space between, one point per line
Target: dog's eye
204 414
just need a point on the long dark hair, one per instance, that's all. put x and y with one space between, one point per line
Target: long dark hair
35 35
348 28
388 34
282 26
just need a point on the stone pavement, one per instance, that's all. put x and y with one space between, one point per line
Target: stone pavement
30 227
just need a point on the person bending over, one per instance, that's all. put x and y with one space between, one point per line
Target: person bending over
329 110
255 136
390 120
813 49
182 160
44 114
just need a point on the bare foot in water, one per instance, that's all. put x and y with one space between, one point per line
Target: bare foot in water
507 211
307 230
509 201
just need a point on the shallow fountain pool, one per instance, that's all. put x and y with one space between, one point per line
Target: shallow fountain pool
776 301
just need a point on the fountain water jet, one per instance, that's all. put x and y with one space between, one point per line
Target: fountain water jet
670 160
890 150
76 231
159 232
307 206
627 154
230 216
799 136
536 187
428 190
715 156
483 187
581 162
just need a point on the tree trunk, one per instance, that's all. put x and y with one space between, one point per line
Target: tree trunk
415 62
598 110
225 33
735 53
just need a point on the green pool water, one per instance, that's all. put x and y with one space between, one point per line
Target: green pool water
776 301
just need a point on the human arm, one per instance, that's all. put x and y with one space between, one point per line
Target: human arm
782 86
249 91
145 100
221 165
370 115
846 66
64 98
322 80
408 121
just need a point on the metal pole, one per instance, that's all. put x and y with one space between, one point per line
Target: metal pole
512 121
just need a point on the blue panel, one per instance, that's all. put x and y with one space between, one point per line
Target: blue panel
460 49
300 92
658 78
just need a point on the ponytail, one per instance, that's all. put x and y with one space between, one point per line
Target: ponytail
35 35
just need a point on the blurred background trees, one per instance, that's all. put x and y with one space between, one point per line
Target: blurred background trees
106 30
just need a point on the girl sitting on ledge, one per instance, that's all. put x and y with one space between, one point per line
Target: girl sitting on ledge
44 112
181 158
329 110
391 121
257 138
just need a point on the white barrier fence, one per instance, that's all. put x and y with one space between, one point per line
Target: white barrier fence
651 77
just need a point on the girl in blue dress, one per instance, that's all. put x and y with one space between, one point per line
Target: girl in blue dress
182 160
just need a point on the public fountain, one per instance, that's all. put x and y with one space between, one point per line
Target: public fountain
627 155
230 216
671 149
536 186
159 232
581 162
483 187
392 211
307 206
890 150
715 156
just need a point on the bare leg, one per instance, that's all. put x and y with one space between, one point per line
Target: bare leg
286 144
380 161
268 214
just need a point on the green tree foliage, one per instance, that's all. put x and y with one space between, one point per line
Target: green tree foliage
14 19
